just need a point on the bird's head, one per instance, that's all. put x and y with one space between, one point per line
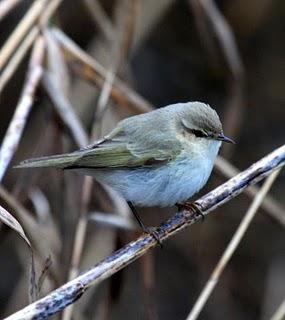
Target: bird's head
202 122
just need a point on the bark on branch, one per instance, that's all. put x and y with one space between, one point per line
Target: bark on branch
73 290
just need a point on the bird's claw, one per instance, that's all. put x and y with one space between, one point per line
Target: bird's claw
193 207
153 231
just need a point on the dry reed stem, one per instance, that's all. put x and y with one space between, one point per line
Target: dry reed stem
56 63
6 6
88 68
73 290
126 12
79 237
48 12
232 246
100 18
41 206
18 122
26 43
7 218
225 36
43 240
21 30
65 110
80 232
17 58
56 83
270 205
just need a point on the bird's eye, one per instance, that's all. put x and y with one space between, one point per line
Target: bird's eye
199 133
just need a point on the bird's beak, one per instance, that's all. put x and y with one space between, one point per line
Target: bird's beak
223 138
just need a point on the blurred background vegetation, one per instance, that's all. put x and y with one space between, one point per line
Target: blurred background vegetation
228 53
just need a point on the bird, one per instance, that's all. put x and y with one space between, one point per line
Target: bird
160 158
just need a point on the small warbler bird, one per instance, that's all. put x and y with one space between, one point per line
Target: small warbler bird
160 158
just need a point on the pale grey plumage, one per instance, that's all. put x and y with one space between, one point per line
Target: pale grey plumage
158 158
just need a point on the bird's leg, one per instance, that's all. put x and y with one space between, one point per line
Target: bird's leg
193 207
150 230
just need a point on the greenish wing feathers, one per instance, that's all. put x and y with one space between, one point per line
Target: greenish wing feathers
107 156
110 156
115 155
58 161
117 150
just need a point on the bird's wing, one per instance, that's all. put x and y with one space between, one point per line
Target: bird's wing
116 150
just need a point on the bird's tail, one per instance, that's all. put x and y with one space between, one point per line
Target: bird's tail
56 161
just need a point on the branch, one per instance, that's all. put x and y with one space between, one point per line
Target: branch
91 70
16 59
270 205
17 124
6 6
100 18
231 248
20 43
73 290
21 30
14 133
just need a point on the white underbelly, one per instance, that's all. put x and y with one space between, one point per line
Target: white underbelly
162 186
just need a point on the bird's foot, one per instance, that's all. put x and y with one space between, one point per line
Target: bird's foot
153 231
193 207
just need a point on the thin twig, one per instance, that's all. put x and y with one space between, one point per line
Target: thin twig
21 30
231 248
17 124
73 290
6 6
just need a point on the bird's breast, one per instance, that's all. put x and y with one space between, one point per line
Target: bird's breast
163 185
